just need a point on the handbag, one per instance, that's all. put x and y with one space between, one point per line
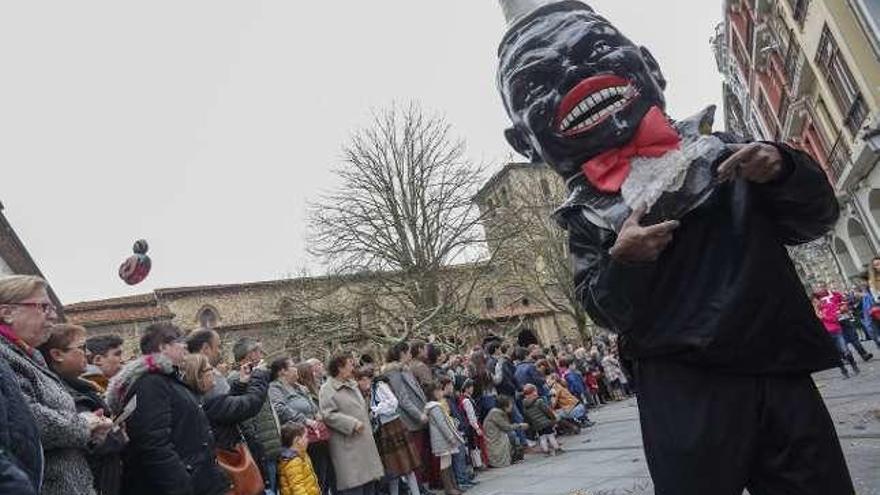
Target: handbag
875 312
318 433
242 470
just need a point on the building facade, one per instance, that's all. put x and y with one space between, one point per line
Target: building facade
531 252
16 260
807 72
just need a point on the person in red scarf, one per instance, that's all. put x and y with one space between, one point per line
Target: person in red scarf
678 242
67 436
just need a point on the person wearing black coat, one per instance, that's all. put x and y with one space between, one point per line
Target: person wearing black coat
171 447
21 455
226 411
678 239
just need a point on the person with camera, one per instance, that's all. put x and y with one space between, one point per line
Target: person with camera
262 432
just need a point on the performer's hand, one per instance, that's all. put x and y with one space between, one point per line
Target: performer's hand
756 162
639 244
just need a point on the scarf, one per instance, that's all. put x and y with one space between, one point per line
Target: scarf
9 334
654 138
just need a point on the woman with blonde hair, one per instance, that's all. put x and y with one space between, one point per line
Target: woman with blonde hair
26 318
225 411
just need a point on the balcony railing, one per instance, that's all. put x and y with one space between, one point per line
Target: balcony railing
790 66
856 116
839 157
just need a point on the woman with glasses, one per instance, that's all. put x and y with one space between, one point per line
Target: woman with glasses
26 317
226 411
65 354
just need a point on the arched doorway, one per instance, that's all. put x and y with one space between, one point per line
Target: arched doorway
208 317
860 243
526 337
846 261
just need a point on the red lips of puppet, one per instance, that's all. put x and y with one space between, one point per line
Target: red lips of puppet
594 100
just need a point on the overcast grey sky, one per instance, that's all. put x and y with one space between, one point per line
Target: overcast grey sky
206 126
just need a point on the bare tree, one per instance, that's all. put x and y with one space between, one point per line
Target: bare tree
403 214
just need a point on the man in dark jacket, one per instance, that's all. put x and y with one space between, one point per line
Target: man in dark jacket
527 373
171 448
263 431
701 288
21 455
243 402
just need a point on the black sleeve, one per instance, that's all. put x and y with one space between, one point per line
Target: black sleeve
149 430
608 290
12 478
801 201
233 409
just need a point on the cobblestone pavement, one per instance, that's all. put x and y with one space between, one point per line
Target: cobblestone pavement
608 458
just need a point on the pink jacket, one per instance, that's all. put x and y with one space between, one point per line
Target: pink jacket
829 310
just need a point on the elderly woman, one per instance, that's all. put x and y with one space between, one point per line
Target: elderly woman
352 446
65 354
26 315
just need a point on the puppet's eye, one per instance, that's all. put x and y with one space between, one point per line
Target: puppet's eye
601 48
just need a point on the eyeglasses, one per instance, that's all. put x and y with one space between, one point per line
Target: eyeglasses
45 307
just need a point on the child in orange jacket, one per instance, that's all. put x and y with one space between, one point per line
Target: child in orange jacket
295 473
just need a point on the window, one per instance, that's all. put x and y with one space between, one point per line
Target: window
767 114
840 79
799 10
525 301
208 317
490 303
838 159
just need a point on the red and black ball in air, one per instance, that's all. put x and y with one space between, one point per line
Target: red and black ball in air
136 268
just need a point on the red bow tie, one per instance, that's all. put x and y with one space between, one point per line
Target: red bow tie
654 138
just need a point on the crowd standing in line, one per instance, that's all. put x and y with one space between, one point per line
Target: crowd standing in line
81 418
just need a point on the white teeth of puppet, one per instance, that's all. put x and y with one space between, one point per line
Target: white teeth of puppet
627 92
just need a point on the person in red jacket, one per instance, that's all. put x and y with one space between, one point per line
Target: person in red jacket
828 305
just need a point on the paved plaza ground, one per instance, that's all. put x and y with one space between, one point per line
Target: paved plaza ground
608 459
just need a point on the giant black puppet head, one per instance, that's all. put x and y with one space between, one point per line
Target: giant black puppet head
577 90
573 85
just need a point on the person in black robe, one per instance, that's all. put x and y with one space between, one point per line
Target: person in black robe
678 241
